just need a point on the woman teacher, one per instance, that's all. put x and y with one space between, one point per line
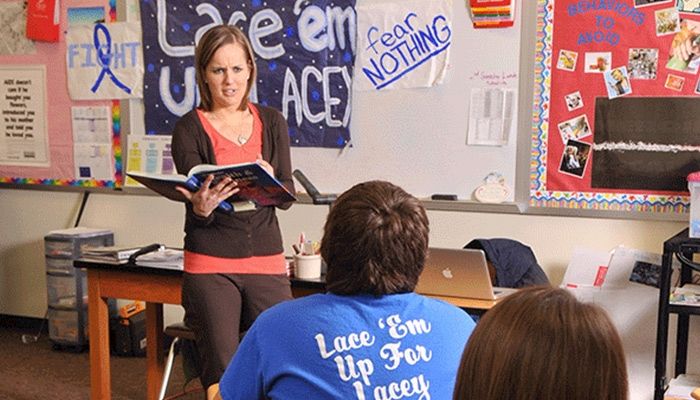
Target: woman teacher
234 263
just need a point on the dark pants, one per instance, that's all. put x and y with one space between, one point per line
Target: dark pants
219 308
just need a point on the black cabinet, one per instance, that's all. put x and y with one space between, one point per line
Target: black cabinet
683 248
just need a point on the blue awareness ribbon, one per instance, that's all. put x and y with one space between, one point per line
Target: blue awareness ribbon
104 57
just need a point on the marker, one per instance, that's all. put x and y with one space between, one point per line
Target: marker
296 249
307 248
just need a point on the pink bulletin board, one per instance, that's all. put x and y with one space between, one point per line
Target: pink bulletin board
608 140
61 170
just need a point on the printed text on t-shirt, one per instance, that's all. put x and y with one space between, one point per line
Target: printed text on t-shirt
359 370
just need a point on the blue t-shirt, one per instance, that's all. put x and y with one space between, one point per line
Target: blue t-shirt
325 346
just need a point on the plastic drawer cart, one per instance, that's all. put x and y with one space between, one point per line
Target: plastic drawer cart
67 286
682 248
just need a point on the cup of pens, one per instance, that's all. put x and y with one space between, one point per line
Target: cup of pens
307 260
307 266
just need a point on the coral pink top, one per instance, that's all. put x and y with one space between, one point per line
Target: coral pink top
228 152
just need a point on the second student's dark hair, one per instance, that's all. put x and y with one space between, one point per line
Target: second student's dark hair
375 240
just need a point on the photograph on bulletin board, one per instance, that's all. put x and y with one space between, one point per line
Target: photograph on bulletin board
616 84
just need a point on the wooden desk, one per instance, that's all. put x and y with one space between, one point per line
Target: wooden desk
154 286
306 287
157 287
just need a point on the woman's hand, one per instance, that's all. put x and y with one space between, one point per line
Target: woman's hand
206 199
266 165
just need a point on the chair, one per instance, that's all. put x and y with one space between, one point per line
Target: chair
178 331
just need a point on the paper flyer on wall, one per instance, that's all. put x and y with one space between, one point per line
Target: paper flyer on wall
104 61
24 140
91 124
402 44
43 20
13 39
92 142
491 116
492 13
93 161
150 154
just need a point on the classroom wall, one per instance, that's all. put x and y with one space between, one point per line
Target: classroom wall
28 215
136 220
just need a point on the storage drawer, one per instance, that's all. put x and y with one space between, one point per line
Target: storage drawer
68 326
59 266
66 291
72 247
60 248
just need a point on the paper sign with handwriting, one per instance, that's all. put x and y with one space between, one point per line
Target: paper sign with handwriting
104 61
403 44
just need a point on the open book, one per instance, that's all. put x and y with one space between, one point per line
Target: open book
257 186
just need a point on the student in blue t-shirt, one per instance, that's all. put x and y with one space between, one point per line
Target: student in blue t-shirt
370 336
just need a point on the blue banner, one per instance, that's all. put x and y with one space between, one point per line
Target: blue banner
305 53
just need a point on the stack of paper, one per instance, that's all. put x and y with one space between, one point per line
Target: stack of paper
109 253
166 258
492 13
687 295
586 269
681 386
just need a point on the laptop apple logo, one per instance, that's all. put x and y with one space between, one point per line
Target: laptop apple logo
447 273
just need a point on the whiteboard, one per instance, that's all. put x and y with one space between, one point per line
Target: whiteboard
417 138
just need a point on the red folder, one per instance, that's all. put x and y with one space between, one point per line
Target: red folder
42 20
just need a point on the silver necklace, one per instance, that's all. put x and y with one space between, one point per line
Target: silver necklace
240 138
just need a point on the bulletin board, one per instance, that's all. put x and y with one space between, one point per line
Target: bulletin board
38 142
611 126
416 137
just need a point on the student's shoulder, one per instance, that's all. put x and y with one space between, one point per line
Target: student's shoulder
445 309
290 309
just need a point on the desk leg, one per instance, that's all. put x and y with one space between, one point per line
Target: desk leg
100 385
155 354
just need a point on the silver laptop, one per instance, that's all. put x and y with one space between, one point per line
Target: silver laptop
458 273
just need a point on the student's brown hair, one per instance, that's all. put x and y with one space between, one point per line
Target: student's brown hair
542 344
375 240
209 43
